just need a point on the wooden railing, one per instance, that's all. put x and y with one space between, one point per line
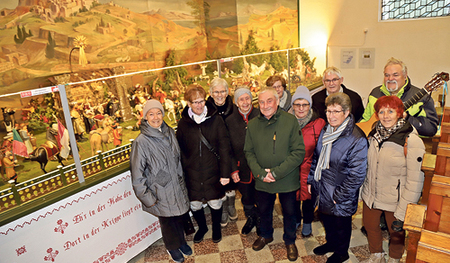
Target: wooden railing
29 190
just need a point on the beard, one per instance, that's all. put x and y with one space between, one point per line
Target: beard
391 81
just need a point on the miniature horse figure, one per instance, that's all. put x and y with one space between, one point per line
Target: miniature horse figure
47 151
44 153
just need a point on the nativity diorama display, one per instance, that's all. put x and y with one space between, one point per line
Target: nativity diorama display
115 55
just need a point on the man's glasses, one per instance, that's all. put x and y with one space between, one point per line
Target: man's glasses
329 81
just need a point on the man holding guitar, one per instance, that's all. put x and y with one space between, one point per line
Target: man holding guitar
420 110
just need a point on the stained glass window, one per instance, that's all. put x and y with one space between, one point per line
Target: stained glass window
409 9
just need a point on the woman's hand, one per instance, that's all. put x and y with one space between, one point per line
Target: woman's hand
224 181
309 188
235 177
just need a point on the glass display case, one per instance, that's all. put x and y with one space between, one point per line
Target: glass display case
82 124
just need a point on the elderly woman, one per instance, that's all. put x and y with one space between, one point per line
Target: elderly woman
241 174
205 155
279 84
224 105
337 171
311 125
394 177
157 178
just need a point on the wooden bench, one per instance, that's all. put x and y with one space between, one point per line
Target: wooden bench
429 227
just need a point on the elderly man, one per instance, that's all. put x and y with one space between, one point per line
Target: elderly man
237 122
224 105
332 80
422 115
279 84
274 150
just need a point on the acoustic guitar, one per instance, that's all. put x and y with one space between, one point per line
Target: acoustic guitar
436 82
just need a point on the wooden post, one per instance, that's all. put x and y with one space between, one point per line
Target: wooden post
413 223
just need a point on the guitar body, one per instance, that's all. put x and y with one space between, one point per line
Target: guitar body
368 125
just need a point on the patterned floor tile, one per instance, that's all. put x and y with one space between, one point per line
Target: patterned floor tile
236 248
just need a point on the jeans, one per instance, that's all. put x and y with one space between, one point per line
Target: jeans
266 203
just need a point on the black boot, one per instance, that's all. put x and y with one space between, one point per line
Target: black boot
202 227
187 224
216 216
251 222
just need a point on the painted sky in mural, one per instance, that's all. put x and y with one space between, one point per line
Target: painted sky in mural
136 34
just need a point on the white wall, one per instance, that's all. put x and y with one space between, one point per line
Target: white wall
421 44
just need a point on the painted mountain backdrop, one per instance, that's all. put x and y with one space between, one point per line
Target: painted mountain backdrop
43 37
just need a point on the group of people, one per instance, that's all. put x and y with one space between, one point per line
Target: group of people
307 150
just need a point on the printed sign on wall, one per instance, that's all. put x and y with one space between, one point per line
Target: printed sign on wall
104 223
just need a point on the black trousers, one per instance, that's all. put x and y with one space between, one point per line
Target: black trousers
248 198
338 231
172 230
307 210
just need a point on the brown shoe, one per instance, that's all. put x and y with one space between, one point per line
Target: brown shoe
261 242
292 252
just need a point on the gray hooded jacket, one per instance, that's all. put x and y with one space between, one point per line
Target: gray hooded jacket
156 172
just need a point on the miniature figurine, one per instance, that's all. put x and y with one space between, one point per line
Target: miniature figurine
26 137
78 124
117 136
8 162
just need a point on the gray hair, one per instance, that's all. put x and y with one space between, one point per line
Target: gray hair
394 61
269 89
216 82
331 70
339 98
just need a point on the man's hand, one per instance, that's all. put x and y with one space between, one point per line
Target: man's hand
269 177
224 181
235 177
309 188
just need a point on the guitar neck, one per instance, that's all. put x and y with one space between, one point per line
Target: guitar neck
419 95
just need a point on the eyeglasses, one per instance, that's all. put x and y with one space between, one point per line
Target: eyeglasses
198 102
333 112
301 105
222 92
328 81
278 87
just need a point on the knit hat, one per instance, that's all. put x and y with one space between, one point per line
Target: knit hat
241 91
151 104
302 92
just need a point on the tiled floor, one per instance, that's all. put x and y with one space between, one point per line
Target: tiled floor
236 248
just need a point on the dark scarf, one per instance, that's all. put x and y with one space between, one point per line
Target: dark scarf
383 134
304 121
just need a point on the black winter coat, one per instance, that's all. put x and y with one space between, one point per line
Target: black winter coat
237 127
202 168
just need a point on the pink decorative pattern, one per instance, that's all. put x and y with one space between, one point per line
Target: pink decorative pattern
51 255
122 247
61 226
119 180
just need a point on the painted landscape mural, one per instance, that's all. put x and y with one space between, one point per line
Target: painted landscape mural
39 38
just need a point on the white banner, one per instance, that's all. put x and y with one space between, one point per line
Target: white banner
104 223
